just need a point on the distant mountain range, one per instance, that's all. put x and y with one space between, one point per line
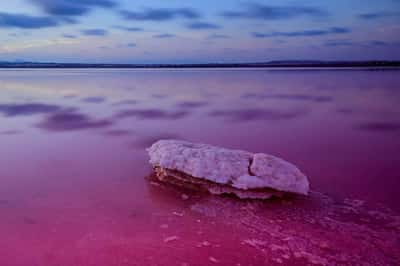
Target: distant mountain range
270 64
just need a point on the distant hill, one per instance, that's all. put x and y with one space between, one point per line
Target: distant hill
271 64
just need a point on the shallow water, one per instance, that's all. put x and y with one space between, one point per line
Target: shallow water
73 166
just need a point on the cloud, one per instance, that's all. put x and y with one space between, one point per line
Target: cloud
378 15
254 114
378 43
152 114
71 8
26 109
191 104
126 102
375 43
380 127
131 29
22 21
10 132
203 26
70 96
164 36
94 99
160 14
41 43
118 132
294 97
266 12
159 96
304 33
69 120
131 44
94 32
345 111
70 36
218 36
339 30
336 43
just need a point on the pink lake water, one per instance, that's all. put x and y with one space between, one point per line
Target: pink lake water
73 166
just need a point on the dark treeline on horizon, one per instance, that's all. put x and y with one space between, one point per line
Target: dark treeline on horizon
271 64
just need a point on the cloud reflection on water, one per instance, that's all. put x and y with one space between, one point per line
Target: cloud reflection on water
69 120
10 132
191 104
253 114
25 109
380 126
296 97
152 114
118 132
126 102
96 99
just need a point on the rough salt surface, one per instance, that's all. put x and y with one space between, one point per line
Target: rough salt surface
239 169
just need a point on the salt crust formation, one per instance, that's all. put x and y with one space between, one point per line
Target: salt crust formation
225 171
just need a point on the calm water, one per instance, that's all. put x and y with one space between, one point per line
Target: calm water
73 165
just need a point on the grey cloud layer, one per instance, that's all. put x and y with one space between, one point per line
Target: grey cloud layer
70 8
304 33
164 36
203 26
160 14
94 32
131 29
8 20
266 12
379 15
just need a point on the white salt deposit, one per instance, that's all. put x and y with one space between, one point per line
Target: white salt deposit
239 169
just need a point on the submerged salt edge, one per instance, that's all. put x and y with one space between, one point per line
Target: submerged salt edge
239 169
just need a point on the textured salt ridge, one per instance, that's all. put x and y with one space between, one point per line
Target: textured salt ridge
236 168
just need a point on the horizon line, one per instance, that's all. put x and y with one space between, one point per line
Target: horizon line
266 64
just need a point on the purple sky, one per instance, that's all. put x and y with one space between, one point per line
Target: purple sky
155 31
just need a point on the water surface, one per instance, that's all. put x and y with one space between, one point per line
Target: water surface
73 165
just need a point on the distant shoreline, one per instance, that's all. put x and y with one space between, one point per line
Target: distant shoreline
273 64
